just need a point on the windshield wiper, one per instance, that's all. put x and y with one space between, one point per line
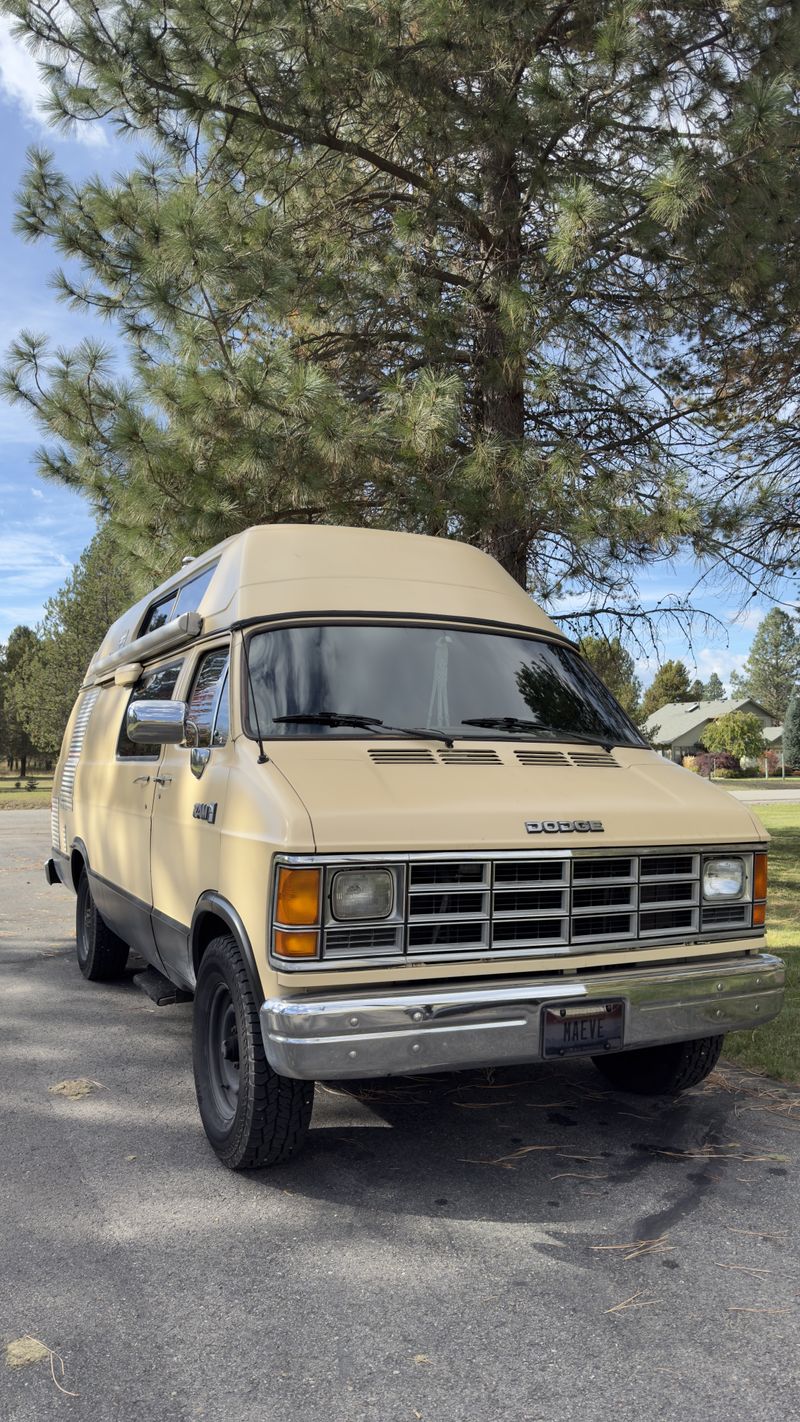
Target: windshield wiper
365 723
515 723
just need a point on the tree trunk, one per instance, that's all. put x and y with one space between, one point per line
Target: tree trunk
499 402
23 762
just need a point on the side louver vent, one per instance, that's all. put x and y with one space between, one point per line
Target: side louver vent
541 757
67 787
402 757
469 757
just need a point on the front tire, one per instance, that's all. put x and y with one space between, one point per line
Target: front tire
252 1116
101 954
661 1071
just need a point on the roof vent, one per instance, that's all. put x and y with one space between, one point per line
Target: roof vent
541 757
469 757
402 757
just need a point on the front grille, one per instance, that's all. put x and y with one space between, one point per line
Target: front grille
726 914
352 942
537 904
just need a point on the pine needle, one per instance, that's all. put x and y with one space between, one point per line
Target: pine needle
635 1301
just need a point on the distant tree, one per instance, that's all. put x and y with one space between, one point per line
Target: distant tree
739 733
791 731
773 666
713 690
696 690
15 742
670 683
76 619
616 669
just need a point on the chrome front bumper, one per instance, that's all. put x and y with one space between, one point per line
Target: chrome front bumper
333 1036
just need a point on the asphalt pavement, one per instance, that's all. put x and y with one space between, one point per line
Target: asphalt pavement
457 1249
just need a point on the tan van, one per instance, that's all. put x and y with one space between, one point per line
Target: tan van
355 794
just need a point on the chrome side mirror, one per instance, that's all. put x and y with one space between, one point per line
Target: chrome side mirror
161 723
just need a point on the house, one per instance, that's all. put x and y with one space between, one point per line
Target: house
676 729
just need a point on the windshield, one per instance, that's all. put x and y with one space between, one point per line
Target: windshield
440 678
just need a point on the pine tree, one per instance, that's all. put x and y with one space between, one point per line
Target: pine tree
16 744
713 690
499 272
45 681
696 690
773 666
670 683
615 668
791 731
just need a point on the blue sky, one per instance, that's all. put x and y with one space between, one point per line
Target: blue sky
44 527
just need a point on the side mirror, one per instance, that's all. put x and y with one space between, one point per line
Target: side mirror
161 723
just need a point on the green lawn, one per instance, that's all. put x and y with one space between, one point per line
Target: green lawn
23 799
759 782
775 1048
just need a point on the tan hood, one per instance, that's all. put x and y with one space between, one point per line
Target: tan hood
358 805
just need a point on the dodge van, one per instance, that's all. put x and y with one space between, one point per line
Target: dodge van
358 798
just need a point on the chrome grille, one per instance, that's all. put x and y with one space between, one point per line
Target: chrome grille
55 838
530 903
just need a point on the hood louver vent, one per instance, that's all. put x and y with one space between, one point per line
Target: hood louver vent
402 757
541 757
469 757
587 760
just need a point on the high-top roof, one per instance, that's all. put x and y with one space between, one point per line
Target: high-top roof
274 570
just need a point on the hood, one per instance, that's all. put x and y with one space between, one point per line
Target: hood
382 796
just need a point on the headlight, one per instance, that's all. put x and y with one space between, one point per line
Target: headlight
362 893
723 879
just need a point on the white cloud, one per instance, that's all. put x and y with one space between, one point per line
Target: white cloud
21 83
30 563
37 493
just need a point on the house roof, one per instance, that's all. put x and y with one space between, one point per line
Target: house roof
773 735
679 718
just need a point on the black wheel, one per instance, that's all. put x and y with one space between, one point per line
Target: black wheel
101 954
252 1116
662 1071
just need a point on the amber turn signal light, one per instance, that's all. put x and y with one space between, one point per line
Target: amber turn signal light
760 878
759 915
295 945
298 898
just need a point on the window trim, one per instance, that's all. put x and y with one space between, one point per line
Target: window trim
222 681
174 593
254 626
147 671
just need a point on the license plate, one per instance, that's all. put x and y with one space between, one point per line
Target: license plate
592 1028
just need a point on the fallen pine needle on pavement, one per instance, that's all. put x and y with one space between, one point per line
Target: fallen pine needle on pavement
635 1301
28 1349
639 1247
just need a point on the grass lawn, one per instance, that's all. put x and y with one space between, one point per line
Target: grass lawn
23 799
759 782
776 1047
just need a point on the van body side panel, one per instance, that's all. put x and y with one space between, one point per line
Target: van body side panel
262 816
185 850
113 805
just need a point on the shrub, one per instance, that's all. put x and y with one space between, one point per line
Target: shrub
722 773
706 763
689 762
770 763
30 784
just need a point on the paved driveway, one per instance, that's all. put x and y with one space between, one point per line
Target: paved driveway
453 1250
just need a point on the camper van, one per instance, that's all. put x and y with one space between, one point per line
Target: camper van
353 794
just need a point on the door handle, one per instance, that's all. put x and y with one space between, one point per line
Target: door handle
162 779
142 780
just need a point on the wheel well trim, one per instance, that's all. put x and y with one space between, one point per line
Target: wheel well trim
78 847
213 903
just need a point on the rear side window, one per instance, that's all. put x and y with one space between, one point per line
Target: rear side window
204 701
157 685
183 599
